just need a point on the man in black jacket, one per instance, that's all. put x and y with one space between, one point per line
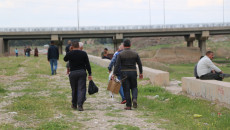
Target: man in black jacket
53 56
127 60
79 63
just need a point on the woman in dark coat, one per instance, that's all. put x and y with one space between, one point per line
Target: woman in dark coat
36 52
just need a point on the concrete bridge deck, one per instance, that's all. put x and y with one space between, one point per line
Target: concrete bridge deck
199 32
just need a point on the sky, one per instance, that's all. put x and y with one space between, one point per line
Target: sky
63 13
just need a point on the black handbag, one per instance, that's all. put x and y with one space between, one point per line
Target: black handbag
92 88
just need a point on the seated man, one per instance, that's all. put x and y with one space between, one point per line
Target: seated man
104 54
206 70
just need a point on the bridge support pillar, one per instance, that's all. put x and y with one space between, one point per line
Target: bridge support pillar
117 40
202 41
4 47
58 42
190 39
1 46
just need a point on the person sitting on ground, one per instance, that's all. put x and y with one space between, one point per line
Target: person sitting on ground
104 54
112 63
206 70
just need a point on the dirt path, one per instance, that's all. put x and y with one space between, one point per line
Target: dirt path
103 112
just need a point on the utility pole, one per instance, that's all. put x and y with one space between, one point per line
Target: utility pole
150 19
164 11
223 12
78 14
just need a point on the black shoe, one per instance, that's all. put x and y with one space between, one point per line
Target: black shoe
134 103
80 108
55 72
74 107
224 75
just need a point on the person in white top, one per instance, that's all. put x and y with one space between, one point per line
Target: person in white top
206 70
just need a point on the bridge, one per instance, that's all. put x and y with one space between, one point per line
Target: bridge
191 32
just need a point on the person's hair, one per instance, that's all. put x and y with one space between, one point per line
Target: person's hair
75 44
52 42
127 43
106 49
81 44
201 57
69 42
208 52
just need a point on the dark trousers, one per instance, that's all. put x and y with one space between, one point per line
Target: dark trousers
129 83
211 76
78 85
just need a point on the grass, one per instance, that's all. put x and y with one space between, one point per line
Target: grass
178 110
40 111
32 106
2 90
113 114
126 127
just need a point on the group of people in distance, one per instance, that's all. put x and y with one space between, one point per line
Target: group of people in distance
27 51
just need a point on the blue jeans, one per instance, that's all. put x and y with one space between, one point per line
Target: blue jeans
121 91
53 62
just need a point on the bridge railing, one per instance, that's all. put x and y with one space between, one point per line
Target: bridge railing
130 27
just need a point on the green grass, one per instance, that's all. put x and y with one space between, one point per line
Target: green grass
36 107
54 125
126 127
10 65
170 111
179 110
113 114
2 90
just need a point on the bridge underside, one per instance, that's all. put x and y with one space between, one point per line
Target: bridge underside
118 35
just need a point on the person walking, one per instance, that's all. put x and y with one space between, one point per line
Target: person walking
53 56
36 52
112 63
16 52
79 63
28 50
127 60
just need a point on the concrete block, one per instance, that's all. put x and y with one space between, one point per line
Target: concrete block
208 89
99 61
157 77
